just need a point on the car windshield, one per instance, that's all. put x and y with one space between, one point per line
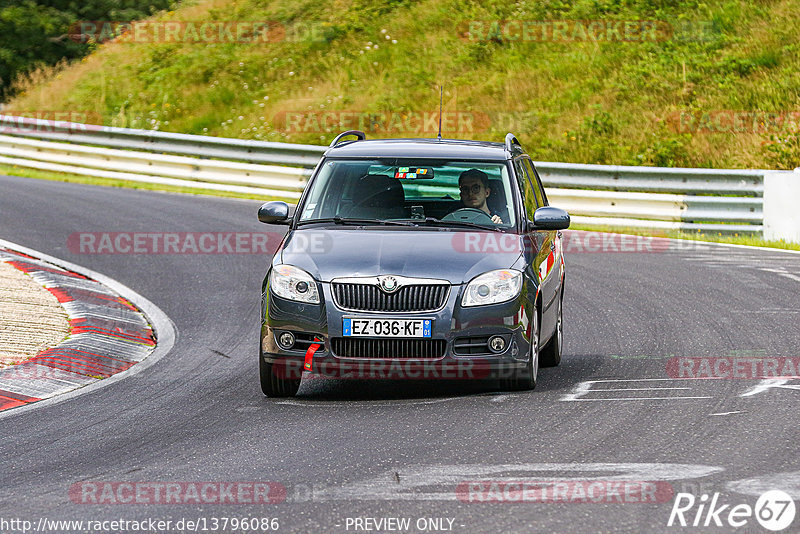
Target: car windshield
457 193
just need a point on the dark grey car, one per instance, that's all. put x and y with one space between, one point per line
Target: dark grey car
415 258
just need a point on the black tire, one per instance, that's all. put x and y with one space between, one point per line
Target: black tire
272 384
525 379
551 354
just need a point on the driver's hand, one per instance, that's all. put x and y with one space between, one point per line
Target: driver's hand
496 219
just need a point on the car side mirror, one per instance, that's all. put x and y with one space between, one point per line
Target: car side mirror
275 212
549 218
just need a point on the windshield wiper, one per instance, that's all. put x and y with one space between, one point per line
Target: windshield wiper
356 221
427 221
465 224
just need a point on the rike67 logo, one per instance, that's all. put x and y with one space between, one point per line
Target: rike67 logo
774 511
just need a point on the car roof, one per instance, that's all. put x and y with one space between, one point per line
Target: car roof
420 148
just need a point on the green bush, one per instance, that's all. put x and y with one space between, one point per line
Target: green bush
37 32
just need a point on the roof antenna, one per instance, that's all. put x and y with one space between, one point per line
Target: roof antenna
441 90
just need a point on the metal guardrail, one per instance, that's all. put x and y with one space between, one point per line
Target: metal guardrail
713 200
595 195
654 179
163 142
272 180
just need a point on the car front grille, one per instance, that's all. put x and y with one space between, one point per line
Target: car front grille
410 298
345 347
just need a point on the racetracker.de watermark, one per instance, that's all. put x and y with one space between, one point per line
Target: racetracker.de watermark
173 242
382 122
199 32
39 372
565 491
733 367
727 121
160 31
574 241
467 369
566 31
173 492
22 122
314 242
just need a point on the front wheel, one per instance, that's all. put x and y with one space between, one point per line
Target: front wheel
272 383
551 354
525 379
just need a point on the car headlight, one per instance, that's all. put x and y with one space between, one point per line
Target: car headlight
292 283
492 287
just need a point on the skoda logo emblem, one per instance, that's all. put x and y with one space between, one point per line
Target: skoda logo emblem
389 284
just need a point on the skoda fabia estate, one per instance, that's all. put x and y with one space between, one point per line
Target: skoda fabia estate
415 258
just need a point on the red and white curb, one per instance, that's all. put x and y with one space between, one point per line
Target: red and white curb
109 333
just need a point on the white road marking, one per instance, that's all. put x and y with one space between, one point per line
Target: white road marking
633 380
165 329
585 388
788 482
635 389
781 271
501 398
439 482
339 404
726 413
769 383
635 399
494 397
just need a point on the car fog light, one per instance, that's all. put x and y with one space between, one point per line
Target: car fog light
497 344
286 340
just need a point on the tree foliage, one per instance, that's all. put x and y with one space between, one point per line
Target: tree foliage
36 32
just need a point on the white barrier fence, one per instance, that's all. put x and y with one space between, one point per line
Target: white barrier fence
727 201
782 206
182 171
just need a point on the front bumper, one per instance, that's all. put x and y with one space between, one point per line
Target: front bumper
451 325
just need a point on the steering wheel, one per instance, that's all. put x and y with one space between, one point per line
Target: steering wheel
469 215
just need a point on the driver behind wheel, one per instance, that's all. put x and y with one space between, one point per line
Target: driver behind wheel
474 187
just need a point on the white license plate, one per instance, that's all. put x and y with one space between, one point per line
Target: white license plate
358 326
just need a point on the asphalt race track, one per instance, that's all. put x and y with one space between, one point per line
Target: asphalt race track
378 449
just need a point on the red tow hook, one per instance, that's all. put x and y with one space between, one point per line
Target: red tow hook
310 354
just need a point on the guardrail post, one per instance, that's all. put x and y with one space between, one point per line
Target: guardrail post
782 206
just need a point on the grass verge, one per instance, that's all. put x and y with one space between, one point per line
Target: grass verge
713 237
717 88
